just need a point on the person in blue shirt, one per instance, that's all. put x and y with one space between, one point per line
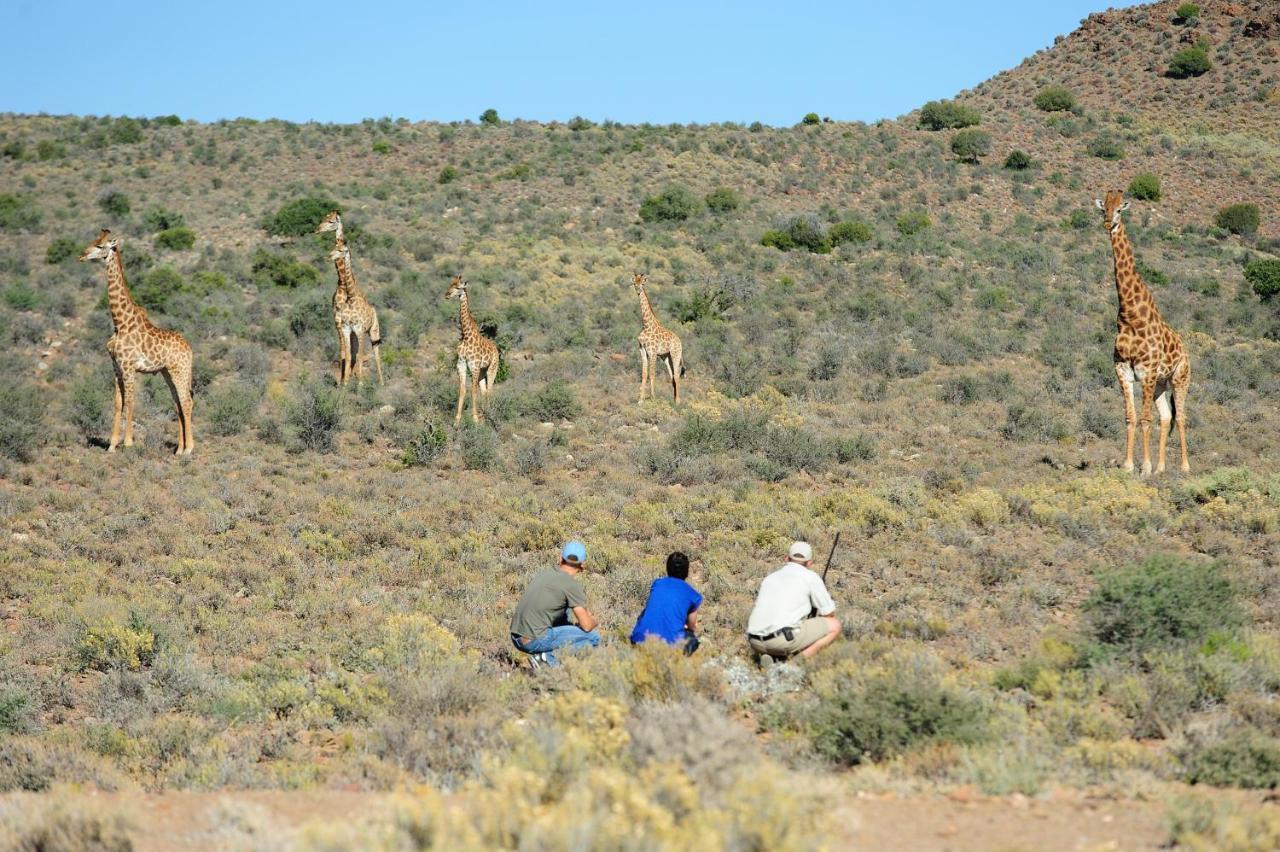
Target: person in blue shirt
671 613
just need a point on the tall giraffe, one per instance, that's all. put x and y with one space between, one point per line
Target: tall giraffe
655 342
1146 350
477 354
353 316
140 347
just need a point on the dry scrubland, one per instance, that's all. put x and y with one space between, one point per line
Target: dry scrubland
319 598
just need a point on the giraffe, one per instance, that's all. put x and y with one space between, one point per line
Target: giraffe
140 347
477 354
1146 350
353 316
656 342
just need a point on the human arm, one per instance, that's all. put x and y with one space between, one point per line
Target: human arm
691 623
819 597
586 620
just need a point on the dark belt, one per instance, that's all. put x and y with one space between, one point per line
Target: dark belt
787 632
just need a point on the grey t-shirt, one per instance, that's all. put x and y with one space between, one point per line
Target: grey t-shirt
545 602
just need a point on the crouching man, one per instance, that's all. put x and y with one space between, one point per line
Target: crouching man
541 623
793 614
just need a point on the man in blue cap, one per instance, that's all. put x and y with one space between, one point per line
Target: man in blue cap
541 621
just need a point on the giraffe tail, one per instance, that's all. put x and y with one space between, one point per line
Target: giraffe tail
683 369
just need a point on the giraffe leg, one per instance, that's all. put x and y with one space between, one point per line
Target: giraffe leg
375 343
462 390
115 426
675 376
356 364
344 355
1181 382
653 373
1148 397
1125 374
1166 414
475 398
644 371
130 378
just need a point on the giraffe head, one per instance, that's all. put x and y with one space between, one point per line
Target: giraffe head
1111 208
331 222
639 280
102 247
340 252
456 288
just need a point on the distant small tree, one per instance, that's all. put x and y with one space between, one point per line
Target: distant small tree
971 145
176 239
48 149
673 204
155 290
447 175
854 231
63 248
381 146
114 202
300 217
1145 187
1188 12
490 116
723 200
158 219
125 131
1055 99
578 123
1189 62
167 121
947 115
811 118
1017 160
1104 146
1239 219
1264 275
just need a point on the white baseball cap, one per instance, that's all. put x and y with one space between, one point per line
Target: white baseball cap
800 551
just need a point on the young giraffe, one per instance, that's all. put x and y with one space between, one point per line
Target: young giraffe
140 347
353 316
655 342
477 354
1146 350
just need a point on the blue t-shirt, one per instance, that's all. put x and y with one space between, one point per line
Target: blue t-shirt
670 602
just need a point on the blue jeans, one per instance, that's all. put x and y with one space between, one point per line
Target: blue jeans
565 636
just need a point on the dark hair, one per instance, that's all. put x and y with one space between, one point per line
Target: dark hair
678 566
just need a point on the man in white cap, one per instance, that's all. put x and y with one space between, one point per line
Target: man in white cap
793 612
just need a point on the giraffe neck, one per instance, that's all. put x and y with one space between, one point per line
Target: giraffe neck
647 317
466 322
124 311
346 278
1132 292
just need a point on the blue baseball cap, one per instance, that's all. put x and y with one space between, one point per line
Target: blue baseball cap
575 553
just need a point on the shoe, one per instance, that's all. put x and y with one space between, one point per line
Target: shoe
537 661
766 661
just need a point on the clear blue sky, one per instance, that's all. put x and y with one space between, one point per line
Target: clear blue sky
651 60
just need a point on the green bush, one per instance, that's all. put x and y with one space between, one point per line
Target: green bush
314 416
1244 758
1105 147
490 117
176 239
555 401
913 223
22 409
381 146
90 403
425 445
1145 187
971 145
155 290
479 446
230 408
447 175
800 232
1055 99
1264 276
1017 160
114 203
167 121
947 115
60 250
48 149
795 448
299 217
811 118
1081 218
723 200
673 204
21 297
1239 219
277 270
778 240
1188 12
878 717
125 131
854 231
531 459
18 212
1189 62
1163 602
158 219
